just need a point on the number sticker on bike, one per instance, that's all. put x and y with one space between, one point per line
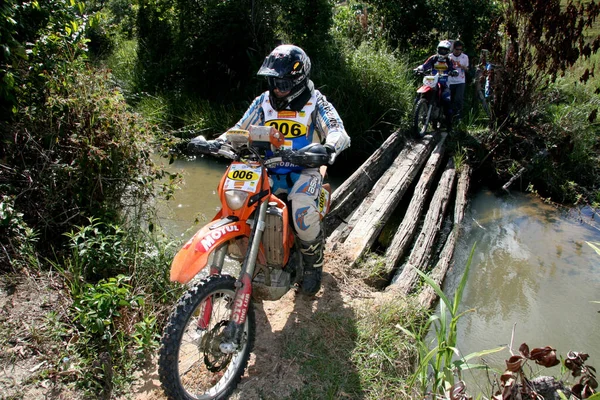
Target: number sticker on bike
289 129
242 177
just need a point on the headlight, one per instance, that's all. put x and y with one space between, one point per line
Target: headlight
236 198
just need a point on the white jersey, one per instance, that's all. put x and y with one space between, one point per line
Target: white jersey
463 60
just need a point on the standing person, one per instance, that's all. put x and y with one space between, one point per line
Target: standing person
460 62
303 115
441 64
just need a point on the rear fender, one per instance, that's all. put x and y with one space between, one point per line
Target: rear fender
194 255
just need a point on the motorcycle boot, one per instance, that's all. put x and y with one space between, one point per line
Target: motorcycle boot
312 261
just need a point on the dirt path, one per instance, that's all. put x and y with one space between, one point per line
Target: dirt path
270 375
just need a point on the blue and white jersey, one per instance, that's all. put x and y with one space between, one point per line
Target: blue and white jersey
317 121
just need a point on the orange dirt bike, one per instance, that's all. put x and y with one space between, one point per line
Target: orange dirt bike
209 336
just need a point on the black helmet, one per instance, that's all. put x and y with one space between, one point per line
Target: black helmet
287 68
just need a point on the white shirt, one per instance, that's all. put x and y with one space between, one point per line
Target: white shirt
463 59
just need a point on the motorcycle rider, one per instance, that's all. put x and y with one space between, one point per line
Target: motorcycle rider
304 116
441 64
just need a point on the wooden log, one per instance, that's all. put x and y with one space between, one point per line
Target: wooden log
354 189
378 209
462 189
342 231
408 227
421 251
428 295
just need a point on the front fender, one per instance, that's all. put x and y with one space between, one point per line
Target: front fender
424 89
193 256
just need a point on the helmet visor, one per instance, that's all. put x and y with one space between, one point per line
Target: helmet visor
283 85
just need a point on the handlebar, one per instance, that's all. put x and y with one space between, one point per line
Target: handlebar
424 72
312 156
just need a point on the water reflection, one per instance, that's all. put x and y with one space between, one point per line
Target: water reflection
531 268
197 201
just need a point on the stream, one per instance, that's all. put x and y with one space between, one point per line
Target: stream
532 271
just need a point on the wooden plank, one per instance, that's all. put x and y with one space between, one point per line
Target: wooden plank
428 295
354 189
421 251
379 208
408 227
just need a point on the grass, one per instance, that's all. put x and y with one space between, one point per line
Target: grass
370 357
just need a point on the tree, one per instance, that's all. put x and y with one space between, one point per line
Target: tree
534 42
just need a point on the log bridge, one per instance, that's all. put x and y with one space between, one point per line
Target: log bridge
363 206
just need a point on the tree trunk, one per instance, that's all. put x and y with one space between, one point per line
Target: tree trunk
407 229
428 295
421 251
376 209
354 189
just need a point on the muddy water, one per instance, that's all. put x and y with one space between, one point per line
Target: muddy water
197 200
532 270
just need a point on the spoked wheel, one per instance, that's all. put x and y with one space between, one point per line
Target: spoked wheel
420 121
191 365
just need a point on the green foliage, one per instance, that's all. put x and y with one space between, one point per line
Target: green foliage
119 317
531 57
99 306
111 332
17 239
416 24
115 22
305 23
71 147
83 152
211 48
436 366
371 88
384 355
101 250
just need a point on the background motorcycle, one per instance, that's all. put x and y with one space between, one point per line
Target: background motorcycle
209 336
429 104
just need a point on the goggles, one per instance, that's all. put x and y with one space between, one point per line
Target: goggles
283 85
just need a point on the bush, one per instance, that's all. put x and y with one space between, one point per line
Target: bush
81 153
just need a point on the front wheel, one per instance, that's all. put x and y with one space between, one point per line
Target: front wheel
421 118
191 365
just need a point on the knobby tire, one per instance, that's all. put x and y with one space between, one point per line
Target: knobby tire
420 118
212 375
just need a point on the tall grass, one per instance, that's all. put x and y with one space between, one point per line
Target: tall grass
440 361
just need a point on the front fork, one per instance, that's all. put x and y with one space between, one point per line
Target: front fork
235 328
215 269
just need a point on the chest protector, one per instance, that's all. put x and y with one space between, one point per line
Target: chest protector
441 67
296 126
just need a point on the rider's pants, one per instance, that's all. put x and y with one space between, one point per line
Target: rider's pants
303 196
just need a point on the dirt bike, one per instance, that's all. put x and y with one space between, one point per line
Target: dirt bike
429 104
209 336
